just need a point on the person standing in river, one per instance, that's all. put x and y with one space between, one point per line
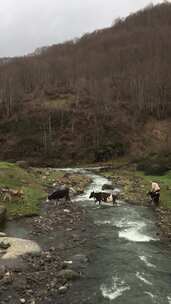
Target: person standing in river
155 193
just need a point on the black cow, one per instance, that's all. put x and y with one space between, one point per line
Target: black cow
61 192
103 196
155 197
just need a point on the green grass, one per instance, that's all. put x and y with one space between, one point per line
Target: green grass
165 184
58 103
16 178
50 178
13 176
29 205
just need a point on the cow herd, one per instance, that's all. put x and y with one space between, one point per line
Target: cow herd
63 192
110 196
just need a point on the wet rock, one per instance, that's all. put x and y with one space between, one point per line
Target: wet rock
4 245
68 274
107 187
63 289
80 258
66 264
66 210
79 261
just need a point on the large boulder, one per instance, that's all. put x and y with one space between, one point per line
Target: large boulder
108 187
3 213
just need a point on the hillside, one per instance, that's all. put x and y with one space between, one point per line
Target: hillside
107 94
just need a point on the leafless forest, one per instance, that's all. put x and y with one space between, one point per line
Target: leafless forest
93 98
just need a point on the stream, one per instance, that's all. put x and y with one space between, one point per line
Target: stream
128 263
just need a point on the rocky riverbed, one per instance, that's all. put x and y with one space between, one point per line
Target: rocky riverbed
50 253
63 235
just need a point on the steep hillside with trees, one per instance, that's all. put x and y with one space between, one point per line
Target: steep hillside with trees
104 95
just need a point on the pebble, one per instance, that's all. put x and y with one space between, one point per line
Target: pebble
22 300
68 262
62 289
66 210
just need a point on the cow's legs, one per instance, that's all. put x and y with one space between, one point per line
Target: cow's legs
68 198
114 199
99 201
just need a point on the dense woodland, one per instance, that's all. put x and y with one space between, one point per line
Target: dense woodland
88 99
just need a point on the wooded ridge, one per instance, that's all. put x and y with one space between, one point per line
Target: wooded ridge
103 95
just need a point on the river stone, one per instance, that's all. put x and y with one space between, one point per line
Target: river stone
79 261
80 258
63 289
68 274
107 187
19 247
3 212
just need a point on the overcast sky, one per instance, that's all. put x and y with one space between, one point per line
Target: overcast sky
28 24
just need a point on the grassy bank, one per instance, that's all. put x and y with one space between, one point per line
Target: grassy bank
29 188
165 183
135 183
23 190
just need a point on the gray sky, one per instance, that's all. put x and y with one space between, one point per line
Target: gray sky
28 24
